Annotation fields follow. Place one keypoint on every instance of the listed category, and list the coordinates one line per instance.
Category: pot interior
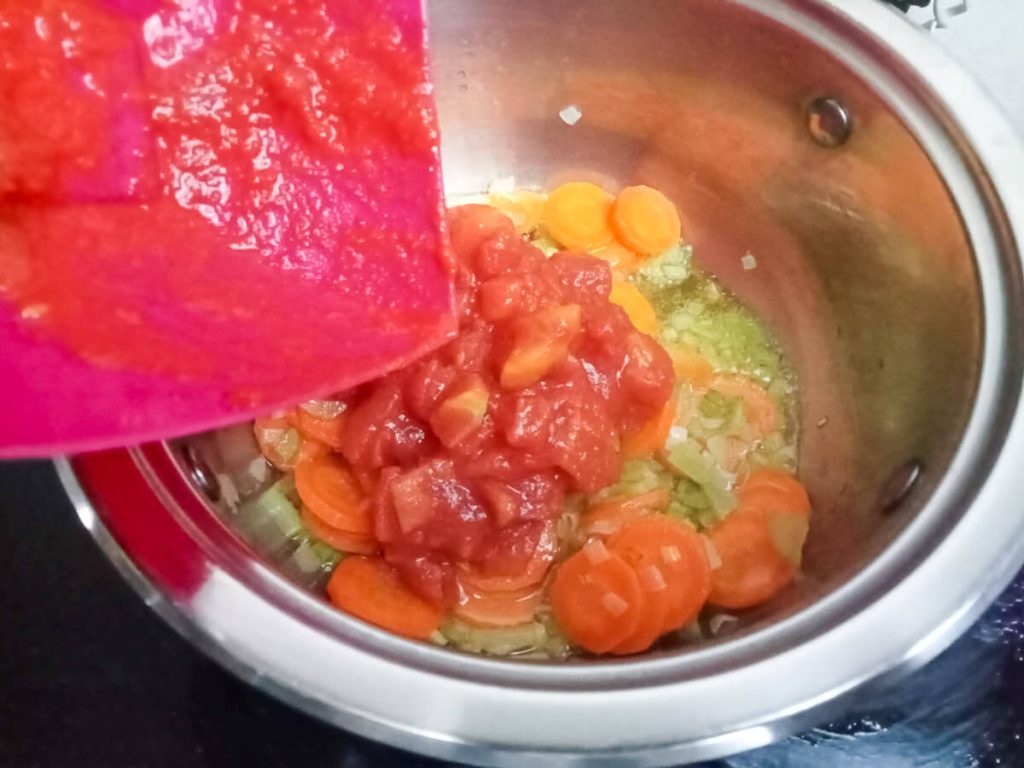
(864, 270)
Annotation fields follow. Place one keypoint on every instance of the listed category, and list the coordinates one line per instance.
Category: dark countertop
(89, 676)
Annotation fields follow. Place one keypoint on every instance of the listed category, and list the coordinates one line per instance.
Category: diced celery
(688, 459)
(546, 243)
(496, 641)
(722, 499)
(638, 477)
(310, 563)
(667, 269)
(270, 522)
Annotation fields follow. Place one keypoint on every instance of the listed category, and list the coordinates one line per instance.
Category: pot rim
(700, 704)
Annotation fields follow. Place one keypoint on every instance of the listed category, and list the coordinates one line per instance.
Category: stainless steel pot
(883, 198)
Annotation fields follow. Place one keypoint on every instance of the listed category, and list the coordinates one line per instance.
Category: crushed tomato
(476, 445)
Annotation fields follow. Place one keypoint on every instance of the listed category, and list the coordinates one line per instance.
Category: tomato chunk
(470, 452)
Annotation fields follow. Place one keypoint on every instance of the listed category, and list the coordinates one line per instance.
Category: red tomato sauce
(476, 445)
(235, 156)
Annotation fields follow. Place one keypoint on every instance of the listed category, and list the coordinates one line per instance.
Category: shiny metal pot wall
(883, 210)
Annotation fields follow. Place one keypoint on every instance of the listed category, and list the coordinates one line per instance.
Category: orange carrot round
(328, 431)
(330, 492)
(759, 407)
(278, 441)
(371, 590)
(651, 437)
(645, 221)
(608, 517)
(672, 552)
(752, 570)
(596, 600)
(637, 307)
(621, 259)
(760, 543)
(692, 368)
(343, 541)
(775, 491)
(577, 216)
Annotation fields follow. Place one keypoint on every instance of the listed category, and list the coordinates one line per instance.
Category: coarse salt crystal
(595, 551)
(604, 527)
(614, 604)
(720, 620)
(570, 115)
(651, 579)
(714, 559)
(671, 554)
(677, 436)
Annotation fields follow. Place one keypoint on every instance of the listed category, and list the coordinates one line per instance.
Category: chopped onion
(325, 409)
(749, 262)
(604, 527)
(595, 551)
(614, 604)
(274, 435)
(258, 469)
(671, 554)
(714, 559)
(720, 620)
(228, 490)
(651, 579)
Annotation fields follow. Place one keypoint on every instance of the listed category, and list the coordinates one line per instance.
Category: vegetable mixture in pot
(602, 456)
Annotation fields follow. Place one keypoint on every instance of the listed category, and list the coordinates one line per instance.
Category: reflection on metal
(200, 474)
(829, 122)
(899, 486)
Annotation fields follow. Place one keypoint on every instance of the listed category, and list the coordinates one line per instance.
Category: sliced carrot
(343, 541)
(597, 601)
(311, 449)
(774, 490)
(645, 220)
(577, 216)
(691, 367)
(637, 307)
(278, 441)
(676, 552)
(328, 431)
(536, 569)
(621, 259)
(608, 517)
(328, 488)
(752, 568)
(651, 437)
(542, 341)
(759, 407)
(500, 609)
(371, 590)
